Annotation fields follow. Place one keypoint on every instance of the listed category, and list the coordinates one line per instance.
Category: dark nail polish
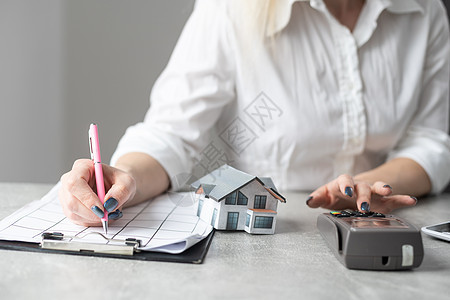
(387, 186)
(110, 204)
(365, 206)
(97, 211)
(115, 215)
(309, 199)
(349, 191)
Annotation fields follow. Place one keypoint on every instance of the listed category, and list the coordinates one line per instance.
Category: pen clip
(94, 147)
(90, 146)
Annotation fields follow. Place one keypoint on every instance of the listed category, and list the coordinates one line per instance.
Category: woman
(350, 96)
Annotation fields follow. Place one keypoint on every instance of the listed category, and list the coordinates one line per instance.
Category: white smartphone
(440, 231)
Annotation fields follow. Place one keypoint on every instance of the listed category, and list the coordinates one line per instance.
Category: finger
(122, 189)
(85, 169)
(79, 220)
(82, 222)
(363, 196)
(390, 203)
(346, 185)
(318, 198)
(332, 195)
(381, 188)
(76, 211)
(65, 199)
(115, 215)
(329, 196)
(76, 183)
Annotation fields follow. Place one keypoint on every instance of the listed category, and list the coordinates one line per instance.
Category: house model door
(232, 220)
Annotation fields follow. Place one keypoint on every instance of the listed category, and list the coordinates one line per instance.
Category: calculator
(371, 240)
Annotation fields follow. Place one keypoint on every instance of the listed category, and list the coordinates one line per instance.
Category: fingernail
(309, 199)
(387, 186)
(414, 198)
(365, 206)
(110, 204)
(349, 191)
(115, 215)
(97, 211)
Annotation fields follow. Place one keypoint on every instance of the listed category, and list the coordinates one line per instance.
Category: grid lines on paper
(166, 218)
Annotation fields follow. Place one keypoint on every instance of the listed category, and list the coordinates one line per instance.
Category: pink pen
(95, 156)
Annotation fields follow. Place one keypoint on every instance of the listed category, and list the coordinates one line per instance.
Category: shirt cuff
(167, 149)
(430, 148)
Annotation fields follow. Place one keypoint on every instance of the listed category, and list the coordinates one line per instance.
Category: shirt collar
(402, 6)
(283, 14)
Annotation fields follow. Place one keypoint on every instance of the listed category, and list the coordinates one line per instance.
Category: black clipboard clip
(61, 242)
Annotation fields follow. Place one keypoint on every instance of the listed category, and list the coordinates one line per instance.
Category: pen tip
(105, 226)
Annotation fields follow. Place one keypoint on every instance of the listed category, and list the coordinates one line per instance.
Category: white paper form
(167, 223)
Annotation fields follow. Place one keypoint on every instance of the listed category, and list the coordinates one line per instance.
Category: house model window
(230, 199)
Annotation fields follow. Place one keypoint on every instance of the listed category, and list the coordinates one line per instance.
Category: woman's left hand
(345, 192)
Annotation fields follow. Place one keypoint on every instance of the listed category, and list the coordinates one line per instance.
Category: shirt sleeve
(188, 97)
(426, 140)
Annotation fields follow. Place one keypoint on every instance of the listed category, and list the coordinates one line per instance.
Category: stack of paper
(167, 223)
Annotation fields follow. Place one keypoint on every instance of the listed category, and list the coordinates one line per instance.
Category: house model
(230, 199)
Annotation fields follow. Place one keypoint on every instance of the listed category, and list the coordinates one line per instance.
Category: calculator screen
(375, 223)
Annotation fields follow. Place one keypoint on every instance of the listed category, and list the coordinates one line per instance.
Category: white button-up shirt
(317, 101)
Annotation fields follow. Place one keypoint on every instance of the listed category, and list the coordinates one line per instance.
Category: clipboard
(162, 224)
(194, 255)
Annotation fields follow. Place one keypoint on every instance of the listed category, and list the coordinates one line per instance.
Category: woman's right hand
(79, 201)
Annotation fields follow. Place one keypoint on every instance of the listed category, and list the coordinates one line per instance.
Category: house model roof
(225, 180)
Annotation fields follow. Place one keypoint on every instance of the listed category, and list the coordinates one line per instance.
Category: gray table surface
(294, 263)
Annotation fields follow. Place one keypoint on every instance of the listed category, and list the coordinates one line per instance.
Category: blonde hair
(256, 18)
(254, 23)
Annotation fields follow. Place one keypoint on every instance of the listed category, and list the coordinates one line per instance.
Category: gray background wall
(65, 64)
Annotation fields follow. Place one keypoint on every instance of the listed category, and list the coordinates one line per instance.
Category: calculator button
(346, 213)
(378, 215)
(350, 212)
(340, 214)
(358, 214)
(362, 215)
(343, 216)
